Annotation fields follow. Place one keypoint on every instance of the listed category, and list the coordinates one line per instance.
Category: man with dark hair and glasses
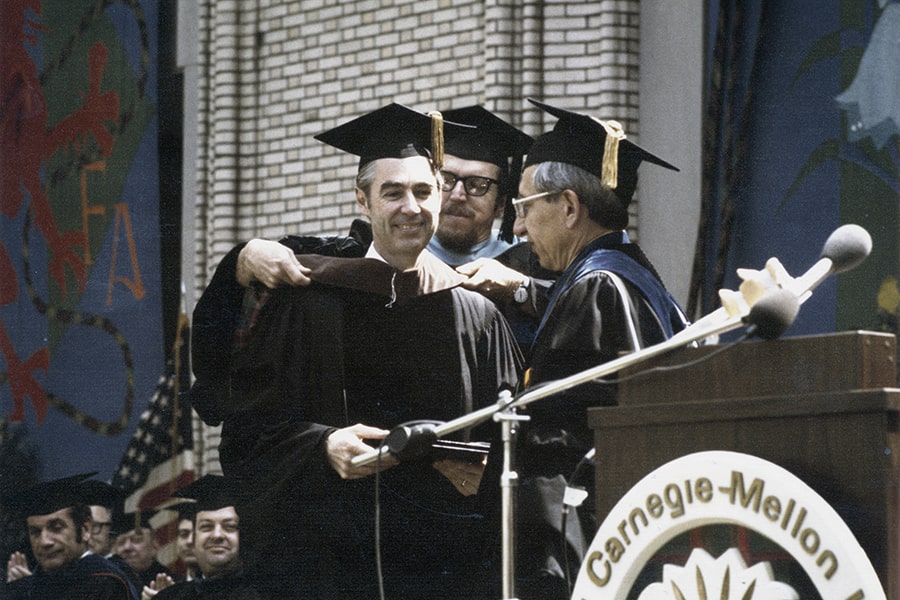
(103, 500)
(481, 172)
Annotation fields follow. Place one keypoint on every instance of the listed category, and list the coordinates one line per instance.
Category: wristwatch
(520, 296)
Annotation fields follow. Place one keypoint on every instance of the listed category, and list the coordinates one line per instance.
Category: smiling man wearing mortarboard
(59, 526)
(217, 531)
(319, 374)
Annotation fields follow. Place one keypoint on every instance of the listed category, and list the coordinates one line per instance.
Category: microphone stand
(509, 481)
(504, 411)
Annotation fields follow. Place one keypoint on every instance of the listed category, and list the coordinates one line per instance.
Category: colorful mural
(80, 315)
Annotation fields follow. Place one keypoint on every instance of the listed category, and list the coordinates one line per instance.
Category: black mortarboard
(49, 496)
(598, 147)
(393, 131)
(186, 509)
(211, 492)
(123, 522)
(494, 141)
(99, 493)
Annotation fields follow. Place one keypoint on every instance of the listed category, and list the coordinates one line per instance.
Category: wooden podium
(823, 407)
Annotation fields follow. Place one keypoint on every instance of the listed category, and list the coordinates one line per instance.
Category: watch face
(520, 295)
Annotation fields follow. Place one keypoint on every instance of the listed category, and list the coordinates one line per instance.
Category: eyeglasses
(98, 526)
(518, 203)
(474, 185)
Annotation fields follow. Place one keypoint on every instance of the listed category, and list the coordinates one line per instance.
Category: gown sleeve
(218, 312)
(214, 321)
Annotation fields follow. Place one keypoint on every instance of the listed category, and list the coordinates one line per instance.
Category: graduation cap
(599, 147)
(123, 522)
(392, 131)
(211, 492)
(99, 493)
(186, 509)
(494, 141)
(50, 496)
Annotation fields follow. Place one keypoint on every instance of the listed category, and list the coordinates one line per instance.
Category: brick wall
(277, 72)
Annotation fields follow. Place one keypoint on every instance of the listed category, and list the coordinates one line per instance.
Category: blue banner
(81, 344)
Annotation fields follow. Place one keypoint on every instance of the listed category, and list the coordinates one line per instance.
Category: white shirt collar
(373, 253)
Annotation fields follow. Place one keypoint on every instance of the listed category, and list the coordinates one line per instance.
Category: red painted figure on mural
(28, 141)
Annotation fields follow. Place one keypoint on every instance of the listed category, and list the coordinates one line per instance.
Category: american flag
(159, 459)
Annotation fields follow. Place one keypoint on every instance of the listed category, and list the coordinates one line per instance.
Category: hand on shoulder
(271, 264)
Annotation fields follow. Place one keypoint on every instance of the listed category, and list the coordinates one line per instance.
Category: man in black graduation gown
(217, 545)
(59, 527)
(136, 547)
(103, 499)
(321, 374)
(573, 206)
(481, 173)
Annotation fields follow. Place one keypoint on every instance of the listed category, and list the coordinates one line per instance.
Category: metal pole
(509, 480)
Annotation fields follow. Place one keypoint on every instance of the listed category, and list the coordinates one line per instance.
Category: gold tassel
(437, 139)
(610, 167)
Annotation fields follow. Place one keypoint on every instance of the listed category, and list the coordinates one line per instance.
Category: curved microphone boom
(845, 248)
(775, 312)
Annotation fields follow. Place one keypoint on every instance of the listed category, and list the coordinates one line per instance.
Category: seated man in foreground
(59, 529)
(217, 545)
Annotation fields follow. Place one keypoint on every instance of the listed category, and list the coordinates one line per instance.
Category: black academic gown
(312, 359)
(217, 313)
(231, 587)
(92, 577)
(584, 326)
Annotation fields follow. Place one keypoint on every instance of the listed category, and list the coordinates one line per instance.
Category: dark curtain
(733, 45)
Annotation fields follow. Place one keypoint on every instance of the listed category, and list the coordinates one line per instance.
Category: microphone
(845, 248)
(772, 314)
(411, 441)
